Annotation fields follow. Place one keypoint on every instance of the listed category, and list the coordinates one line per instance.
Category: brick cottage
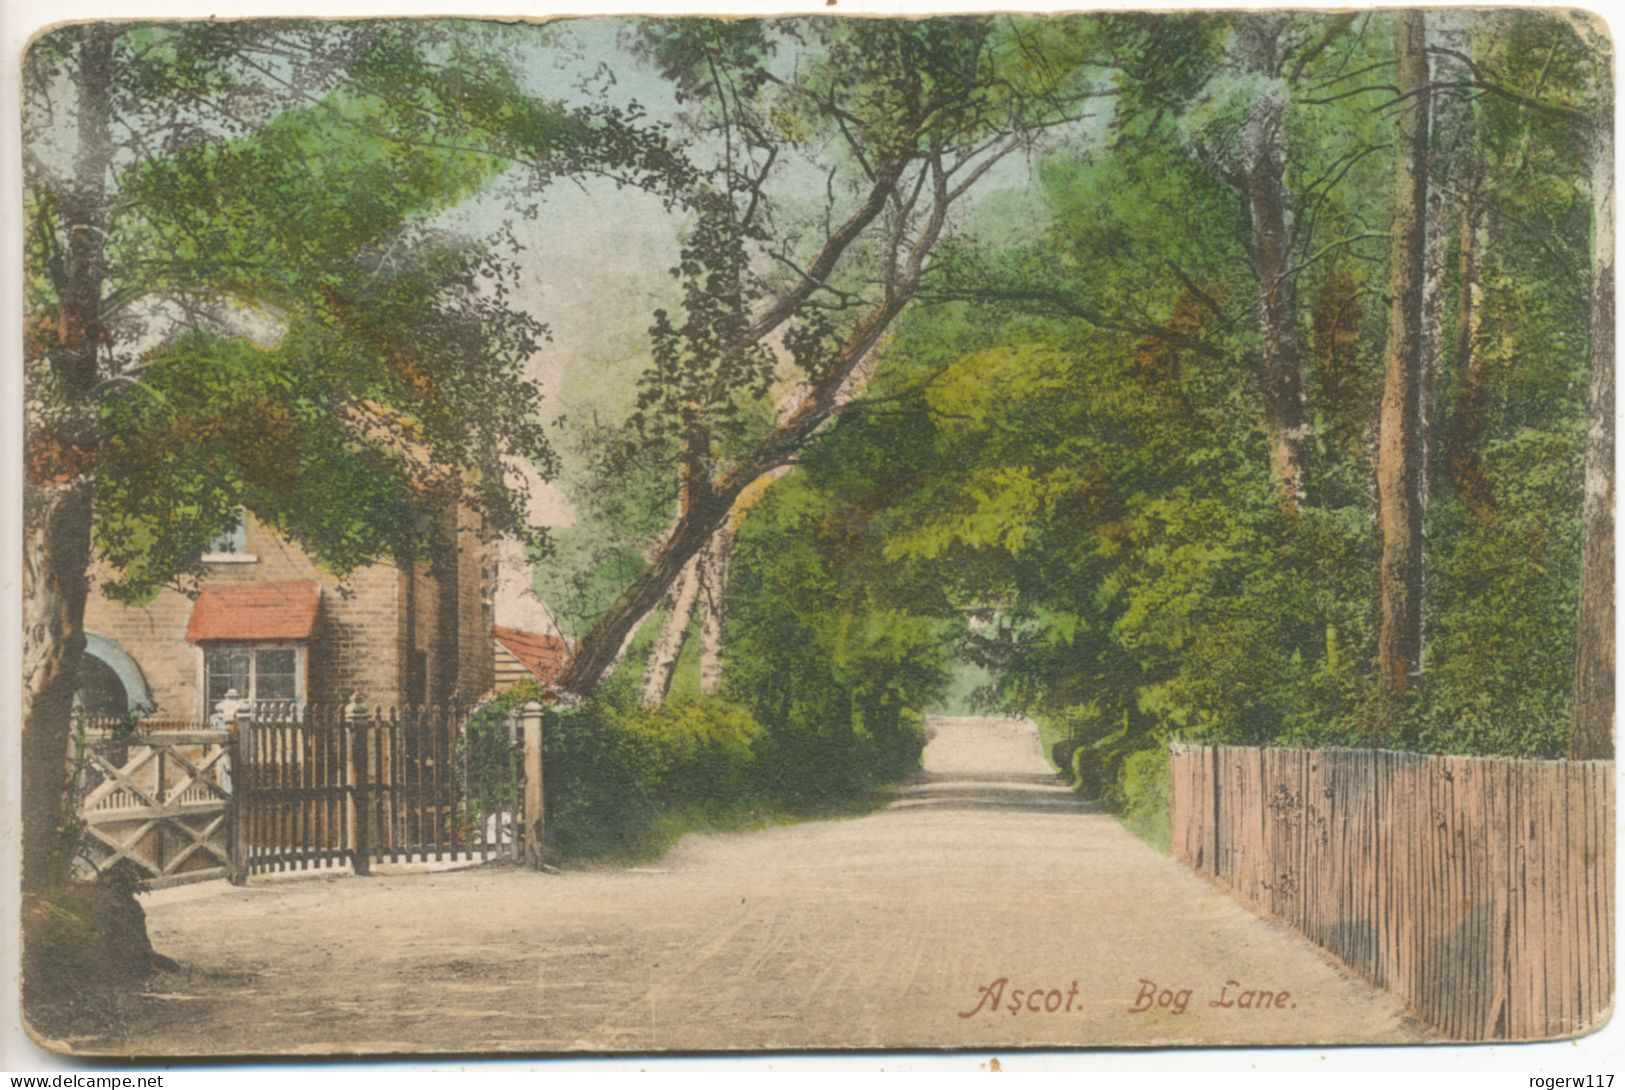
(271, 623)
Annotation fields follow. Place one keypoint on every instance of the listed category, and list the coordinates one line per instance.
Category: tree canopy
(1221, 376)
(239, 295)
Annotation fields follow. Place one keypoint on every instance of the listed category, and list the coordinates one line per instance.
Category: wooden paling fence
(286, 788)
(1478, 890)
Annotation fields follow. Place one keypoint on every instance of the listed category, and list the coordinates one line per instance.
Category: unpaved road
(885, 930)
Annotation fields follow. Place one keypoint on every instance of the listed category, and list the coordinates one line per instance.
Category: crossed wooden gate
(159, 802)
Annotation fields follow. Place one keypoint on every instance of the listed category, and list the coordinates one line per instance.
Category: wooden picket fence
(325, 787)
(1480, 891)
(293, 788)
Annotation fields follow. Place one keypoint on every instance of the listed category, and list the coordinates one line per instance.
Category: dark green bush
(622, 780)
(832, 660)
(600, 784)
(1146, 785)
(700, 748)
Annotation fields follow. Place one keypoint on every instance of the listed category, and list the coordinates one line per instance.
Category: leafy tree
(921, 111)
(830, 646)
(1591, 733)
(286, 169)
(1089, 470)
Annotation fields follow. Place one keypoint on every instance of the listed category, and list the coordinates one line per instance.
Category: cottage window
(258, 673)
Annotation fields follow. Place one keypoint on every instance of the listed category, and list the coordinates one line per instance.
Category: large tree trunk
(1264, 193)
(1591, 727)
(1399, 433)
(56, 555)
(59, 468)
(668, 646)
(596, 652)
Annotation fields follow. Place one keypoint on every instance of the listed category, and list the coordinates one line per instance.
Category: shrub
(1146, 786)
(617, 773)
(599, 785)
(811, 764)
(897, 745)
(700, 749)
(833, 660)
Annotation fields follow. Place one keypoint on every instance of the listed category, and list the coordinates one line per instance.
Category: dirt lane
(893, 929)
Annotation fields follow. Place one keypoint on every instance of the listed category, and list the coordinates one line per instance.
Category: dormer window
(231, 546)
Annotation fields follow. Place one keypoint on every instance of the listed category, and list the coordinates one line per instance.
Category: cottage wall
(367, 624)
(359, 646)
(476, 583)
(154, 634)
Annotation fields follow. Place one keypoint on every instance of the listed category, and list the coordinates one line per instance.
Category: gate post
(530, 720)
(355, 717)
(236, 746)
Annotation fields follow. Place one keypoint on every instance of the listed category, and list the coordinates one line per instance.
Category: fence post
(530, 720)
(355, 717)
(237, 746)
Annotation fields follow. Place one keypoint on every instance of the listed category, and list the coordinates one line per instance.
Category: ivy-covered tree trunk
(1472, 373)
(1591, 727)
(1433, 336)
(59, 466)
(1264, 193)
(1399, 432)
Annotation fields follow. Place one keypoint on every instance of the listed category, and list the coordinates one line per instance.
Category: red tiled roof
(255, 611)
(543, 656)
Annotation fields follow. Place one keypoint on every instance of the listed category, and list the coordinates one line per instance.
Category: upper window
(232, 545)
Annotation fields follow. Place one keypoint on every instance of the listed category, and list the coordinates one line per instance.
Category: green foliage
(1146, 787)
(701, 750)
(1067, 470)
(600, 784)
(1505, 605)
(315, 345)
(826, 643)
(624, 781)
(349, 430)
